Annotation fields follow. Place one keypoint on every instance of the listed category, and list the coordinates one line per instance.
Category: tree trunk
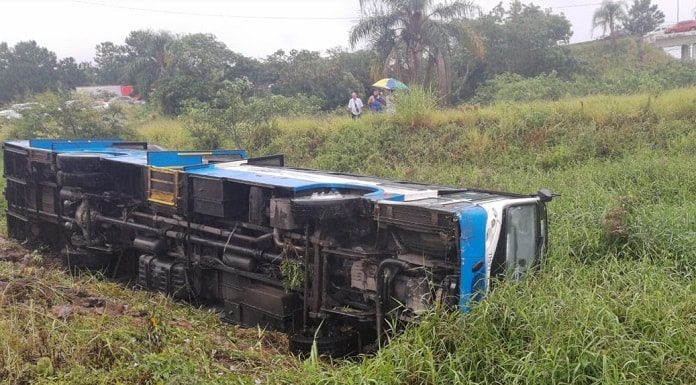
(444, 83)
(429, 71)
(416, 59)
(612, 35)
(639, 48)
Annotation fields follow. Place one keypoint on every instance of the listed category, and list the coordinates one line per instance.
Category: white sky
(252, 27)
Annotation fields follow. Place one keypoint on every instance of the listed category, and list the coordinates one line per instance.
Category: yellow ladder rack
(163, 185)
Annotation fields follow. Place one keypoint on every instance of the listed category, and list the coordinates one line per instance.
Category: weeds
(58, 329)
(614, 303)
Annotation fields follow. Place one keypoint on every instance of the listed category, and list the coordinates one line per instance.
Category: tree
(235, 115)
(146, 57)
(407, 32)
(195, 68)
(643, 17)
(361, 64)
(110, 63)
(26, 69)
(609, 16)
(308, 73)
(525, 39)
(520, 39)
(71, 74)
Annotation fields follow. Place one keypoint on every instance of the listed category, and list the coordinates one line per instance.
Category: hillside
(599, 68)
(614, 303)
(601, 56)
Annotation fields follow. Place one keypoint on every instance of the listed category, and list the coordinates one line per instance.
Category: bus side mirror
(545, 195)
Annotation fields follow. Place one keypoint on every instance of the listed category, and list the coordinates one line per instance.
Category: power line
(202, 14)
(576, 5)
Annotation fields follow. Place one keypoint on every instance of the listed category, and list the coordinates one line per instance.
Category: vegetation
(628, 67)
(59, 329)
(643, 17)
(237, 115)
(613, 303)
(407, 33)
(609, 17)
(55, 115)
(450, 47)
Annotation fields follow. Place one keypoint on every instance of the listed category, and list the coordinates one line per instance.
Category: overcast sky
(252, 27)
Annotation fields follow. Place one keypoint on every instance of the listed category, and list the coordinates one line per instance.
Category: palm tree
(407, 32)
(147, 58)
(609, 16)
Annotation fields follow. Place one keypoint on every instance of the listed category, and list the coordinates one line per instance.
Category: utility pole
(677, 11)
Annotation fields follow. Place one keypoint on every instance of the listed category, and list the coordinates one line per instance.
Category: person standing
(355, 106)
(373, 102)
(381, 100)
(389, 102)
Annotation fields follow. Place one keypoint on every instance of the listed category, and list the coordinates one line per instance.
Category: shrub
(55, 116)
(247, 120)
(514, 87)
(414, 107)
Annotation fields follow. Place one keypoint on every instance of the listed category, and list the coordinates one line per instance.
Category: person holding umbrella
(355, 106)
(375, 101)
(390, 85)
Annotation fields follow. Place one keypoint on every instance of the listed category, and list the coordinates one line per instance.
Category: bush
(514, 87)
(247, 120)
(414, 107)
(57, 116)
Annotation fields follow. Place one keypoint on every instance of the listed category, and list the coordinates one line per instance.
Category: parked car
(99, 105)
(10, 114)
(619, 33)
(24, 106)
(122, 99)
(94, 105)
(126, 100)
(659, 30)
(682, 26)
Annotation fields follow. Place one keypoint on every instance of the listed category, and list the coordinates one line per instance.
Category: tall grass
(615, 300)
(58, 329)
(414, 107)
(166, 132)
(619, 322)
(614, 303)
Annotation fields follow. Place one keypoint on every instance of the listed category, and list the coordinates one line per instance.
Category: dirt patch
(28, 282)
(95, 306)
(17, 290)
(10, 251)
(35, 279)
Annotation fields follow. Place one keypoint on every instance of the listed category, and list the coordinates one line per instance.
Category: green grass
(615, 302)
(166, 132)
(52, 335)
(602, 57)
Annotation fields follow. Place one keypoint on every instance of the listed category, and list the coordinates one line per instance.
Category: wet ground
(63, 307)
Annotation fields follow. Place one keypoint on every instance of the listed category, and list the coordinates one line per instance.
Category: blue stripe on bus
(472, 254)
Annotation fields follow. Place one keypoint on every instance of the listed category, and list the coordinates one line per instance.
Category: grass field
(615, 302)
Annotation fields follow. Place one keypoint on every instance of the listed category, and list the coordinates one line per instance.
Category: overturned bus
(328, 258)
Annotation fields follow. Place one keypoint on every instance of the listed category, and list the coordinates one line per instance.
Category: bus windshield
(522, 238)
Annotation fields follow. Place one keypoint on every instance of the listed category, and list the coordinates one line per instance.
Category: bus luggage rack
(163, 186)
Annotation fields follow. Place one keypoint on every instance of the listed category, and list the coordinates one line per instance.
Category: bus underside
(328, 262)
